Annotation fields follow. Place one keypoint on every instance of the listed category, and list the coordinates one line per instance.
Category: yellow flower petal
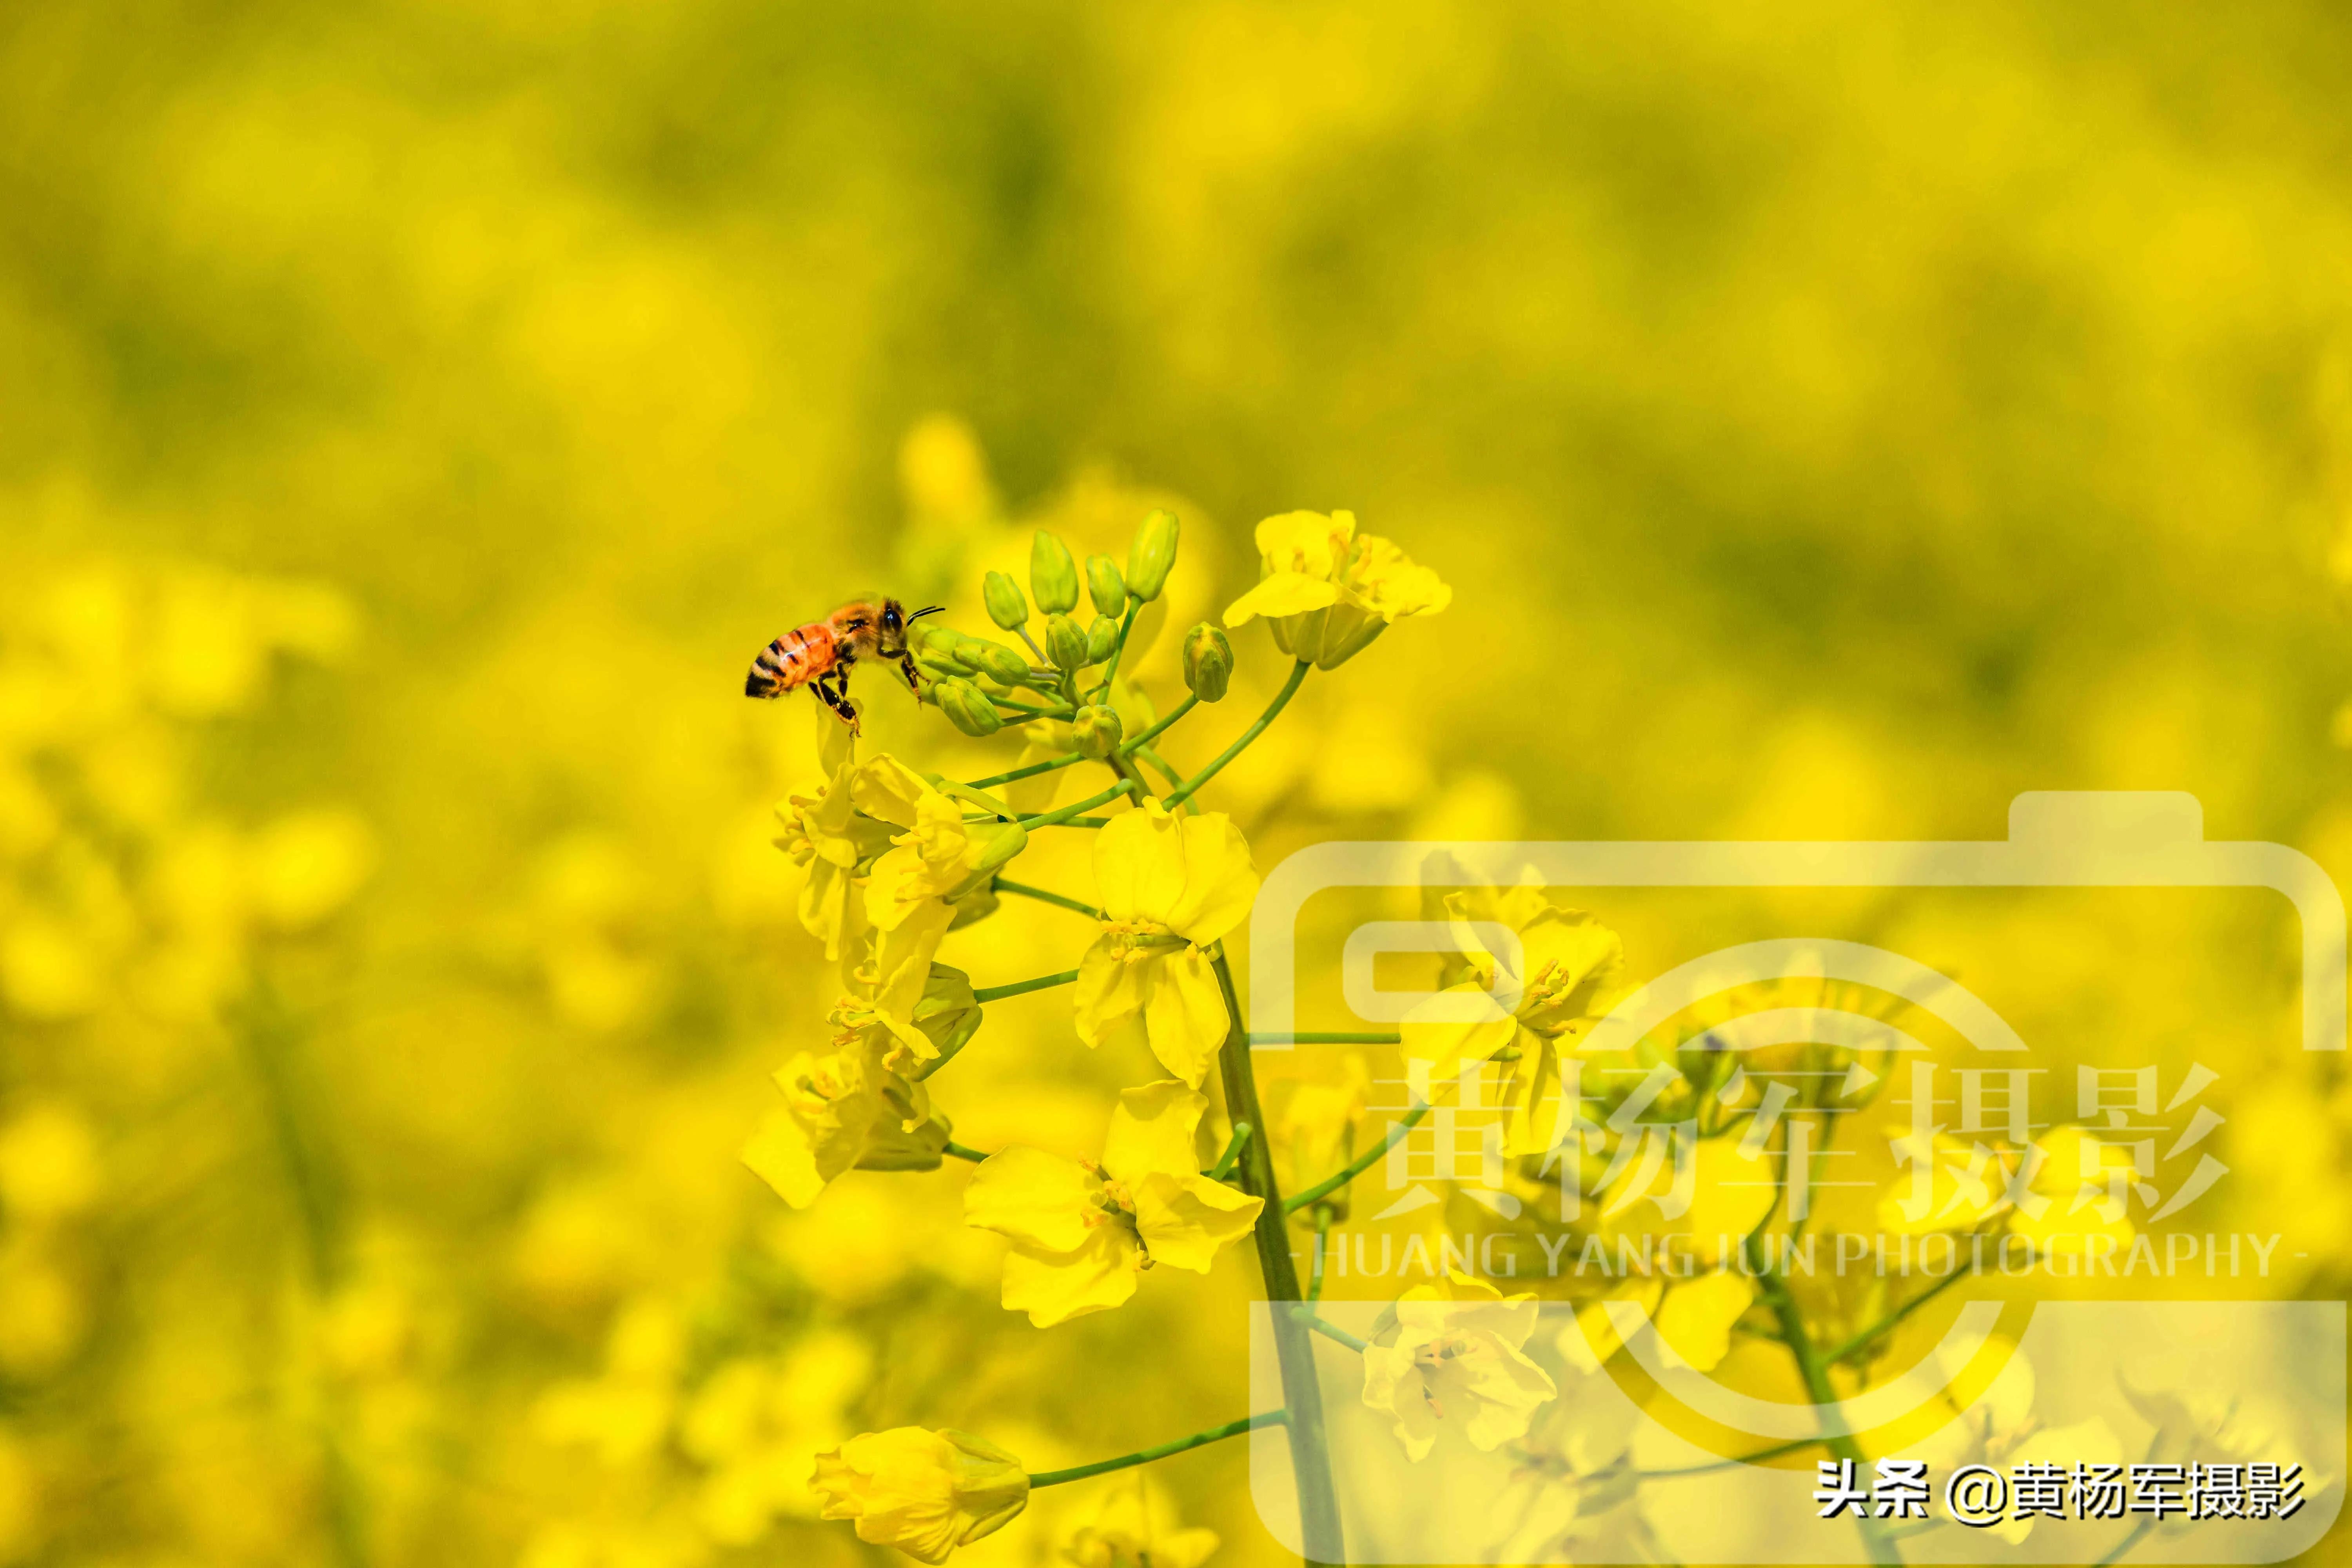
(924, 1492)
(1304, 541)
(1040, 1199)
(1055, 1287)
(1219, 882)
(1283, 593)
(1184, 1220)
(886, 787)
(1695, 1322)
(1184, 1011)
(1449, 1044)
(1139, 863)
(1153, 1132)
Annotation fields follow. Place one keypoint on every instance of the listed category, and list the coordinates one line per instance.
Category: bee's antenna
(927, 610)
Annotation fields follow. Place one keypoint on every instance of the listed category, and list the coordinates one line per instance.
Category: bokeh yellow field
(1831, 420)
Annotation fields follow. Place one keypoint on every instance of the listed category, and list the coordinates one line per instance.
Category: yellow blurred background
(1832, 420)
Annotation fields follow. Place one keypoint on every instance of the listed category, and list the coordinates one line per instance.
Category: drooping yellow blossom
(1695, 1220)
(937, 855)
(1449, 1354)
(1567, 961)
(1082, 1231)
(828, 834)
(842, 1112)
(922, 1491)
(1328, 591)
(1576, 1496)
(861, 1103)
(1137, 1528)
(1170, 885)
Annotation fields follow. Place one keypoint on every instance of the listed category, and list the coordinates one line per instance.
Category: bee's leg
(914, 683)
(829, 689)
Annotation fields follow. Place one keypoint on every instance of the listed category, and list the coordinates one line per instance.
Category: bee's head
(895, 621)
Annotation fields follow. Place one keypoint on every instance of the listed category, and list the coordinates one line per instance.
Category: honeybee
(819, 655)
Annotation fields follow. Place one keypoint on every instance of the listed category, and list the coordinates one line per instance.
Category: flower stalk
(1310, 1458)
(1022, 988)
(1814, 1370)
(1046, 896)
(1273, 710)
(1161, 1451)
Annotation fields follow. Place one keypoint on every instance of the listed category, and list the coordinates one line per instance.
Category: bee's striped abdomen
(797, 658)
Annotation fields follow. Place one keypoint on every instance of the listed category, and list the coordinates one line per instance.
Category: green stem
(1152, 734)
(1333, 1331)
(1021, 987)
(1358, 1166)
(1813, 1159)
(1757, 1457)
(1310, 1461)
(1076, 808)
(1066, 759)
(1023, 889)
(1894, 1317)
(1026, 709)
(1322, 1240)
(1816, 1376)
(1225, 1165)
(1168, 773)
(958, 1151)
(1145, 1455)
(1323, 1037)
(1281, 701)
(1118, 648)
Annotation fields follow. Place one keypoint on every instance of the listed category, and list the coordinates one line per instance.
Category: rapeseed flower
(1327, 591)
(936, 855)
(1567, 961)
(925, 1492)
(1449, 1353)
(860, 1104)
(1082, 1231)
(1170, 886)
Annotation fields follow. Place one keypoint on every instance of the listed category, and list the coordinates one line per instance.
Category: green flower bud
(1208, 662)
(995, 844)
(1098, 731)
(945, 1012)
(1101, 639)
(1007, 605)
(1053, 575)
(966, 707)
(1151, 555)
(1106, 586)
(941, 649)
(993, 659)
(1065, 644)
